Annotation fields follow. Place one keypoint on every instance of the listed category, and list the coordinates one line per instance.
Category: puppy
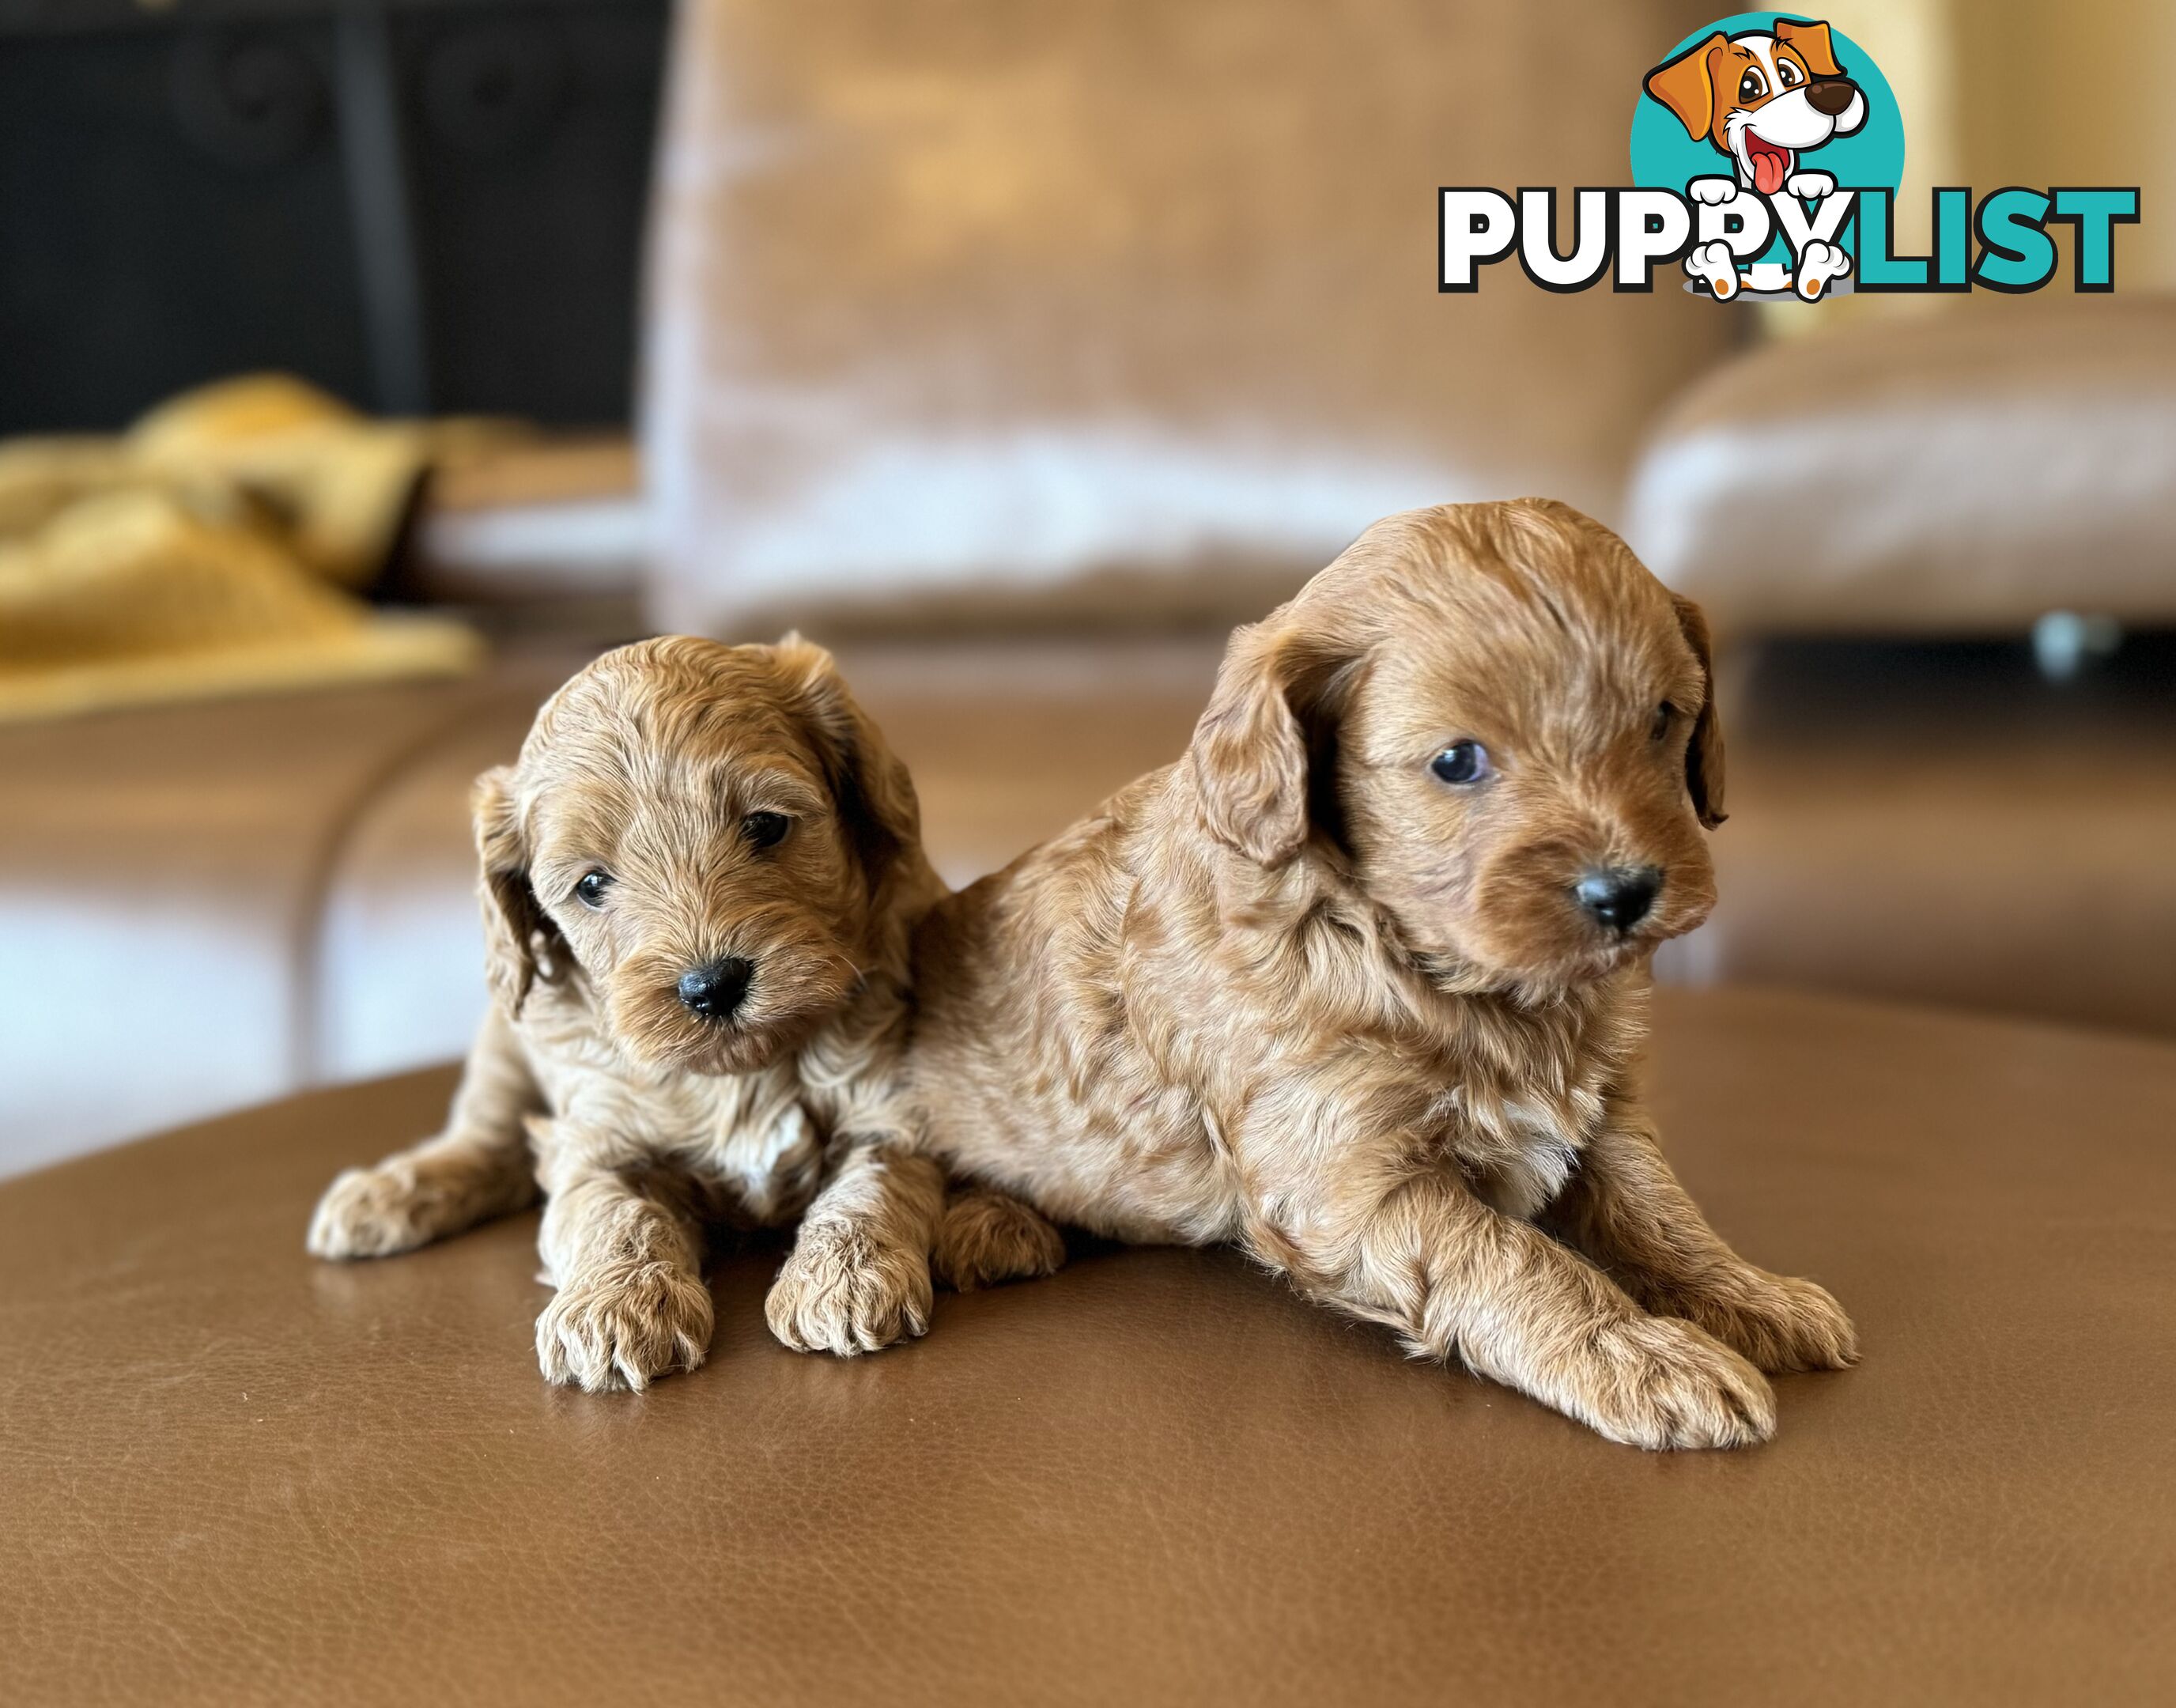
(699, 883)
(1764, 101)
(1360, 983)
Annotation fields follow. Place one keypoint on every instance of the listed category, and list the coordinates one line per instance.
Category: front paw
(842, 1291)
(1658, 1383)
(624, 1328)
(371, 1212)
(1715, 263)
(986, 1237)
(1712, 192)
(1780, 1322)
(1817, 264)
(1810, 187)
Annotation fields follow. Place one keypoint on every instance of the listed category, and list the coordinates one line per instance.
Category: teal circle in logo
(1664, 157)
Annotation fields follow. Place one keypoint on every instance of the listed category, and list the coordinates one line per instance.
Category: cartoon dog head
(1761, 98)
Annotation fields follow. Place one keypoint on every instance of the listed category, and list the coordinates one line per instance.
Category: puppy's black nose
(1830, 95)
(715, 991)
(1620, 896)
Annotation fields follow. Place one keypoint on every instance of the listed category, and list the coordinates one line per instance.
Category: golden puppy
(698, 883)
(1360, 982)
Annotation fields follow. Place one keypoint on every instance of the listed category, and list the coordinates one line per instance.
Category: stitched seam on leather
(307, 1043)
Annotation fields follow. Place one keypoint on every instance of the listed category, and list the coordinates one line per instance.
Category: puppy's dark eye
(591, 889)
(1665, 715)
(1461, 762)
(1752, 86)
(765, 830)
(1787, 75)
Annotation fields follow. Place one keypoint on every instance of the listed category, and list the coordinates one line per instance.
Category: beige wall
(2074, 93)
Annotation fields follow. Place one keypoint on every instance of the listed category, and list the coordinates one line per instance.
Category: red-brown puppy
(699, 883)
(1359, 984)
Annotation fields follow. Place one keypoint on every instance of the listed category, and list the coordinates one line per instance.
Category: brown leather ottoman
(233, 1476)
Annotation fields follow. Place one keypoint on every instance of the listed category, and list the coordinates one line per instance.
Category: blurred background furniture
(1941, 823)
(1112, 311)
(1019, 352)
(236, 1476)
(420, 205)
(1960, 473)
(1875, 518)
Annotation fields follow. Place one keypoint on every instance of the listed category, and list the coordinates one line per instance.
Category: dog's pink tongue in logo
(1770, 164)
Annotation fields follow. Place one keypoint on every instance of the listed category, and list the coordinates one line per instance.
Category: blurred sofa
(1117, 310)
(1025, 466)
(1876, 517)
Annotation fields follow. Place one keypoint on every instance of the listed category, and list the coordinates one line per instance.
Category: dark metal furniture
(421, 205)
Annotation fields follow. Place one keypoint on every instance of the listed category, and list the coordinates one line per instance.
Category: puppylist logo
(1766, 153)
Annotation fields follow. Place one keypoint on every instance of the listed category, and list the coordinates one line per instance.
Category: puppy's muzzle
(1831, 95)
(714, 991)
(1618, 897)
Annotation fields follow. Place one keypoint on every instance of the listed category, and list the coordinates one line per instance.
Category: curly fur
(640, 1119)
(1295, 993)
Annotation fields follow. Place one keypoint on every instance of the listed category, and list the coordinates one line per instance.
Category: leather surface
(162, 880)
(1115, 308)
(1010, 743)
(234, 1475)
(1961, 474)
(524, 521)
(397, 980)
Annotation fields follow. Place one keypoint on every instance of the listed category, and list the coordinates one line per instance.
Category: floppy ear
(1686, 86)
(1250, 752)
(1704, 754)
(513, 922)
(1813, 44)
(874, 792)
